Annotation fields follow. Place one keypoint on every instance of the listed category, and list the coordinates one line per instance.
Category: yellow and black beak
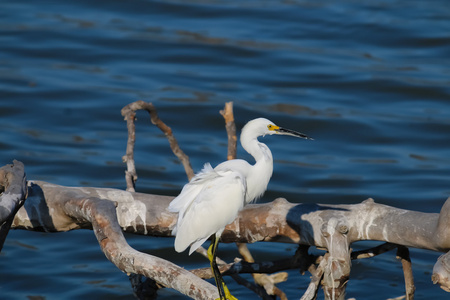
(284, 131)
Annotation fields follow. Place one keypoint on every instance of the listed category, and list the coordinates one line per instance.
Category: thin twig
(13, 192)
(129, 113)
(230, 126)
(128, 158)
(258, 290)
(206, 273)
(317, 274)
(380, 249)
(267, 281)
(403, 254)
(242, 267)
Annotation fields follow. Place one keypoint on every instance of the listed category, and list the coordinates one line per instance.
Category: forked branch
(129, 113)
(109, 212)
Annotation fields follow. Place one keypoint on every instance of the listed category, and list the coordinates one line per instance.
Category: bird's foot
(228, 295)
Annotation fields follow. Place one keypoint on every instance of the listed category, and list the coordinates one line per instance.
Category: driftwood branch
(145, 287)
(368, 253)
(277, 221)
(110, 212)
(441, 271)
(13, 193)
(317, 275)
(129, 114)
(403, 255)
(230, 127)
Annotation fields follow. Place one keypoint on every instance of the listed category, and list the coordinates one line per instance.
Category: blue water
(369, 80)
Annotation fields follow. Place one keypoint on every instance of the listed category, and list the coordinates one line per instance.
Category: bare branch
(102, 215)
(13, 188)
(253, 287)
(129, 113)
(265, 280)
(403, 255)
(230, 126)
(317, 275)
(128, 158)
(206, 273)
(298, 261)
(277, 221)
(441, 272)
(109, 212)
(146, 288)
(373, 251)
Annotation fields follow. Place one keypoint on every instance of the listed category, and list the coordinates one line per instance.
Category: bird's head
(262, 126)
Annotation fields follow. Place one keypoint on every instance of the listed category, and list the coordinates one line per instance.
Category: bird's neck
(261, 170)
(258, 150)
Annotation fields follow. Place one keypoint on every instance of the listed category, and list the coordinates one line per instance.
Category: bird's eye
(272, 127)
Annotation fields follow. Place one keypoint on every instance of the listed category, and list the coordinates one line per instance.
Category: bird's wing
(192, 189)
(221, 197)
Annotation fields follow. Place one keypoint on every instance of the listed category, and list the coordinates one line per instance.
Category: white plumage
(201, 208)
(214, 197)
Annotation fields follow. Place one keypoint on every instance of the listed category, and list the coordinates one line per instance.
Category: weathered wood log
(54, 208)
(332, 227)
(441, 272)
(277, 221)
(13, 193)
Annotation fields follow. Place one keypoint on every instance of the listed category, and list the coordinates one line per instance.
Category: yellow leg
(227, 292)
(216, 273)
(224, 292)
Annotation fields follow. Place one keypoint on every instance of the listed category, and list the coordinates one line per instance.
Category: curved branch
(317, 275)
(367, 253)
(72, 208)
(403, 255)
(441, 272)
(102, 215)
(13, 188)
(333, 227)
(129, 113)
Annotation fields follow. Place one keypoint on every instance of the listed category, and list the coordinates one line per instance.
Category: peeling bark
(277, 221)
(110, 212)
(13, 193)
(55, 208)
(52, 208)
(441, 272)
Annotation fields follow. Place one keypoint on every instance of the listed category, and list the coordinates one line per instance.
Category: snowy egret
(214, 197)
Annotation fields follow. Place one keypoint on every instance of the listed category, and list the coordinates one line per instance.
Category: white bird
(214, 197)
